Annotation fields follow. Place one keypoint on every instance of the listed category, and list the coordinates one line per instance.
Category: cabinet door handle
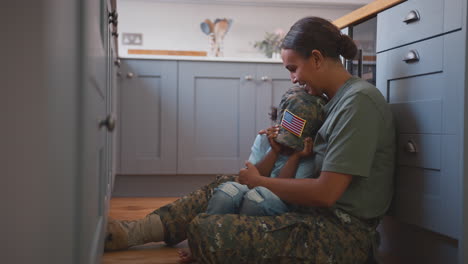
(264, 78)
(412, 16)
(248, 77)
(109, 123)
(117, 62)
(410, 147)
(113, 16)
(130, 75)
(412, 56)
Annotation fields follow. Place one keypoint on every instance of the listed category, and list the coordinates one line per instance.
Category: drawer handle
(410, 147)
(248, 77)
(412, 16)
(412, 56)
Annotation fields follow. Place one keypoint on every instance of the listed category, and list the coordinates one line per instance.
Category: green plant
(271, 43)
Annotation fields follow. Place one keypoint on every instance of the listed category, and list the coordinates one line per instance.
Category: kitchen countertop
(365, 12)
(201, 58)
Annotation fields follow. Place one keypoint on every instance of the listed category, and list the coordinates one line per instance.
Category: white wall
(176, 26)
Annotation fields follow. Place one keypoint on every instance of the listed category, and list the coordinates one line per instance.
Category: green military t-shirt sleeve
(353, 139)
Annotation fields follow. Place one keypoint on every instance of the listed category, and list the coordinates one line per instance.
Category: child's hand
(249, 175)
(271, 133)
(308, 148)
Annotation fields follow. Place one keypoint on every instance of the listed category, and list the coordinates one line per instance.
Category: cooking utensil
(221, 28)
(205, 28)
(210, 24)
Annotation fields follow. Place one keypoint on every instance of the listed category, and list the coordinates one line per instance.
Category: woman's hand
(308, 148)
(271, 133)
(249, 175)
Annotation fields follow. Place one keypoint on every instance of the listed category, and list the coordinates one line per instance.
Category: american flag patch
(293, 123)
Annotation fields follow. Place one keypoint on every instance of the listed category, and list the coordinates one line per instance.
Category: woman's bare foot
(185, 256)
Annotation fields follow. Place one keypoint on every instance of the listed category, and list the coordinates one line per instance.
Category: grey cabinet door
(93, 181)
(216, 116)
(148, 117)
(427, 109)
(272, 82)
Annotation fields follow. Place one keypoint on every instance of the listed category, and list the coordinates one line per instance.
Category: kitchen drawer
(418, 180)
(398, 32)
(435, 17)
(418, 116)
(426, 82)
(421, 151)
(428, 197)
(428, 58)
(418, 199)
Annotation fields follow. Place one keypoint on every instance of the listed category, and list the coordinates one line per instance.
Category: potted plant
(271, 44)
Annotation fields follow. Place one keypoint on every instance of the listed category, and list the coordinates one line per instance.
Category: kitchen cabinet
(113, 66)
(422, 72)
(148, 117)
(202, 117)
(221, 108)
(96, 129)
(57, 126)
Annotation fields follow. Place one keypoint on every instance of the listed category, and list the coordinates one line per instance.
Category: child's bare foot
(185, 256)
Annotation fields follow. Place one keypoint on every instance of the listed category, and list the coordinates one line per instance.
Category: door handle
(410, 147)
(411, 56)
(412, 16)
(109, 123)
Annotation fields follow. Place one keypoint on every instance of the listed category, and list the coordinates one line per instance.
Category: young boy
(284, 154)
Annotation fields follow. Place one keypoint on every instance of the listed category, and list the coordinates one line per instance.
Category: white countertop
(198, 58)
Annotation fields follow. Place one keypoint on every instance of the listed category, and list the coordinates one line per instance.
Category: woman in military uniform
(337, 212)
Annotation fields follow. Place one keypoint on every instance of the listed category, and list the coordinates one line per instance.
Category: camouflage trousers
(317, 236)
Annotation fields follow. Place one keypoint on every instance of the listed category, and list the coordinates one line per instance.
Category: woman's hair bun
(347, 48)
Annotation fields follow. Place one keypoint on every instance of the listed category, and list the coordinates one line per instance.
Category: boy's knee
(232, 189)
(260, 194)
(226, 198)
(261, 201)
(255, 195)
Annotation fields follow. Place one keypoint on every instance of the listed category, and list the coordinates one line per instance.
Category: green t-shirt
(358, 138)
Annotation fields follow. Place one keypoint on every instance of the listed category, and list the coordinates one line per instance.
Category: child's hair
(311, 33)
(300, 107)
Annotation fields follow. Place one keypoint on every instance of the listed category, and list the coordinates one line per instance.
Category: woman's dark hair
(311, 33)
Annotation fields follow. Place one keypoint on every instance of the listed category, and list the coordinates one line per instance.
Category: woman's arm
(323, 191)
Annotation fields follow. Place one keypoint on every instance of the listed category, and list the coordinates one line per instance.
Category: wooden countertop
(365, 12)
